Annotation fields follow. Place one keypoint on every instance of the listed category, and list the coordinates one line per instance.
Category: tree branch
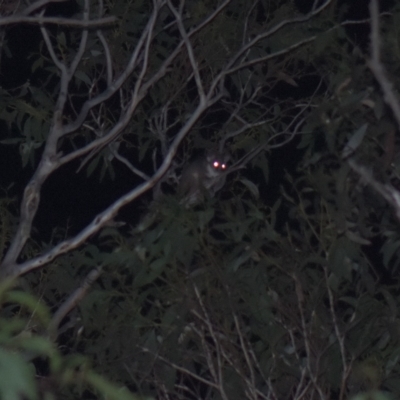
(376, 65)
(41, 20)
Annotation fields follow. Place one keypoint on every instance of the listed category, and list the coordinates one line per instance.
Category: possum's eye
(219, 164)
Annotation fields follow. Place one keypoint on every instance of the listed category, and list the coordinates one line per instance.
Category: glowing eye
(223, 166)
(216, 164)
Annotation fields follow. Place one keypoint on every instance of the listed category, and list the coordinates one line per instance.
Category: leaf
(372, 396)
(37, 64)
(357, 238)
(158, 265)
(95, 53)
(27, 128)
(31, 303)
(92, 166)
(354, 141)
(390, 301)
(37, 345)
(111, 391)
(286, 78)
(83, 77)
(240, 260)
(17, 377)
(41, 98)
(24, 108)
(205, 217)
(11, 141)
(251, 186)
(388, 250)
(262, 162)
(341, 257)
(61, 39)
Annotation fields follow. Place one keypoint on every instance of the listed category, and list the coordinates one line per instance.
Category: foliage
(283, 286)
(23, 344)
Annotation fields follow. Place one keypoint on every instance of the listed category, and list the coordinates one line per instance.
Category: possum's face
(216, 163)
(204, 176)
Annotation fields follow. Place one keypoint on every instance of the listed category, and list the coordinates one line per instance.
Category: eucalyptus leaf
(17, 378)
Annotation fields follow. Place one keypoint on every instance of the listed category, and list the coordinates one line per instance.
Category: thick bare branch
(189, 49)
(376, 65)
(387, 191)
(41, 20)
(72, 301)
(51, 160)
(12, 269)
